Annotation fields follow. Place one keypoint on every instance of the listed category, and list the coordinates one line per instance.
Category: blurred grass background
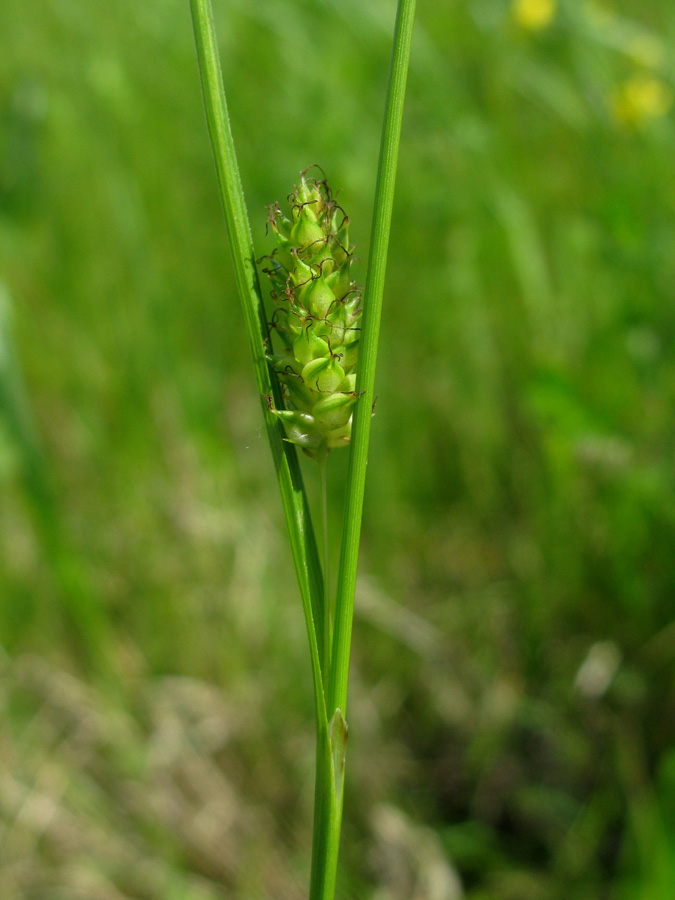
(513, 696)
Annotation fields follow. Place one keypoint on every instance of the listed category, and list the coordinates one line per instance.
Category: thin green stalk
(294, 499)
(365, 383)
(326, 835)
(327, 612)
(329, 780)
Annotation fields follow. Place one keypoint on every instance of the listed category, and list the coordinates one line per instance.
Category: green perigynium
(316, 317)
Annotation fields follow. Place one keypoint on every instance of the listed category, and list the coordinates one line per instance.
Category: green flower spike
(316, 317)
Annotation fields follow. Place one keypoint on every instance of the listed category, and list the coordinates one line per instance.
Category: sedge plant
(315, 364)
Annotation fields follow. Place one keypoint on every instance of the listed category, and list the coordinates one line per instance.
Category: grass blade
(372, 309)
(294, 499)
(328, 809)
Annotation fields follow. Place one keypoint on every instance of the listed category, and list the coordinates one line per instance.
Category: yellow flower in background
(534, 15)
(640, 99)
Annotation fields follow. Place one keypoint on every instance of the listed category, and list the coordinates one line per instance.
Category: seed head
(316, 317)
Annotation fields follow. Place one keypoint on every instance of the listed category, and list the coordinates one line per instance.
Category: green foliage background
(513, 694)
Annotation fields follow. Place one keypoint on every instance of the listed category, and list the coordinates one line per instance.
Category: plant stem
(326, 831)
(327, 611)
(365, 381)
(291, 485)
(326, 836)
(329, 793)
